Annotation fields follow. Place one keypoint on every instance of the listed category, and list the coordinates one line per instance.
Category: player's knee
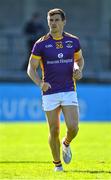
(73, 129)
(54, 131)
(76, 129)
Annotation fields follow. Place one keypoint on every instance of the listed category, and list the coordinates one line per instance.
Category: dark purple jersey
(57, 60)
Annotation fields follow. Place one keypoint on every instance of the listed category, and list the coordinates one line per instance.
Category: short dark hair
(57, 11)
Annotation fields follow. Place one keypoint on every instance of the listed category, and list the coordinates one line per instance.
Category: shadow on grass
(49, 162)
(28, 162)
(89, 171)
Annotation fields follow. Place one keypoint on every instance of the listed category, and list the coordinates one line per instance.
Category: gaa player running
(60, 56)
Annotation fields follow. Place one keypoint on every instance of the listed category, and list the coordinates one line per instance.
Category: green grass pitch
(25, 153)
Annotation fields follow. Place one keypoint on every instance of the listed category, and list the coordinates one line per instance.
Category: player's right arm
(33, 73)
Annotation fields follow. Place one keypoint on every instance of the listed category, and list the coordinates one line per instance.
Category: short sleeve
(77, 45)
(78, 51)
(36, 50)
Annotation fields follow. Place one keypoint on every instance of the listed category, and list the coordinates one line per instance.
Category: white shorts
(52, 101)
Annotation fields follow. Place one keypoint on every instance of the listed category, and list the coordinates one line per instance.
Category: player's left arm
(79, 60)
(78, 65)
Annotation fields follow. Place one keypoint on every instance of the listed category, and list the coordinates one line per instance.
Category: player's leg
(54, 129)
(71, 115)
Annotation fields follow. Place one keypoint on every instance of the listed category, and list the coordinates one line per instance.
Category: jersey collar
(57, 38)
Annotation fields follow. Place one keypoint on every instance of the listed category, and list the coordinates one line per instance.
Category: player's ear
(64, 22)
(48, 20)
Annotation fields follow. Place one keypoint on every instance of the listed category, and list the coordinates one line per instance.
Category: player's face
(55, 23)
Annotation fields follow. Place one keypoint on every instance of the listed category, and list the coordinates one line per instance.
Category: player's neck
(57, 35)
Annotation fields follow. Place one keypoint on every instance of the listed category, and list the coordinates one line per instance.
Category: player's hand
(77, 74)
(45, 86)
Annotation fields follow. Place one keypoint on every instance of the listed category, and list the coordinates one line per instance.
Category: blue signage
(22, 102)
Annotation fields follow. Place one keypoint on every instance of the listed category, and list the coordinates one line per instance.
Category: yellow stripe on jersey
(70, 35)
(42, 68)
(35, 57)
(74, 85)
(77, 55)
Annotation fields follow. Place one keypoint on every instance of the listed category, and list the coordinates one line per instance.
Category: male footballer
(60, 56)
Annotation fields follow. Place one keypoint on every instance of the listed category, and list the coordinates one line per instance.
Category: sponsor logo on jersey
(48, 45)
(60, 55)
(60, 61)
